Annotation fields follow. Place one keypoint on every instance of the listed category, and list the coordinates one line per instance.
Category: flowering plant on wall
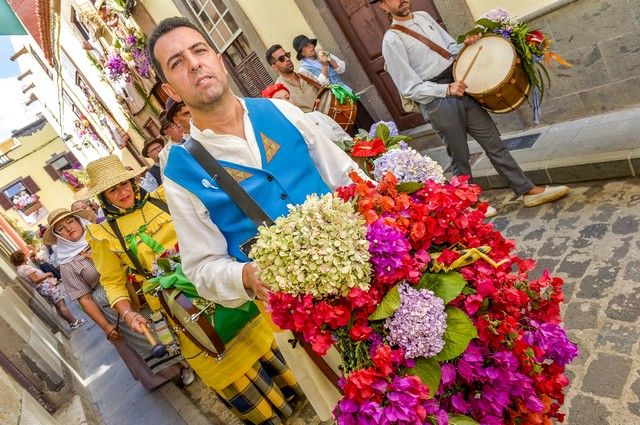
(85, 132)
(23, 200)
(136, 45)
(117, 68)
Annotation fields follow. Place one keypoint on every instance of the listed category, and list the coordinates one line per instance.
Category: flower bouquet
(532, 46)
(433, 314)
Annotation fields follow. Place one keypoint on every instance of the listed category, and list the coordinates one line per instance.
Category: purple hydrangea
(418, 325)
(408, 165)
(498, 15)
(554, 341)
(393, 129)
(387, 246)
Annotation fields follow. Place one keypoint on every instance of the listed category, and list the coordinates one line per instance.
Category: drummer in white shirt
(424, 75)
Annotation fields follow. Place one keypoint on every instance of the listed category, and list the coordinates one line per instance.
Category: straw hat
(104, 173)
(49, 238)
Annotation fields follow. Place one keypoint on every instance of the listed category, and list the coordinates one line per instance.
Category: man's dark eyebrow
(193, 46)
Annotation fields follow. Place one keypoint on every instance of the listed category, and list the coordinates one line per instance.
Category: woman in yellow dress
(251, 376)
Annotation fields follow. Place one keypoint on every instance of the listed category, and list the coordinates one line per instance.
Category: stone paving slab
(591, 240)
(119, 399)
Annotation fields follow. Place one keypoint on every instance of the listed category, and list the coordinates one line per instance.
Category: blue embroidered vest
(287, 176)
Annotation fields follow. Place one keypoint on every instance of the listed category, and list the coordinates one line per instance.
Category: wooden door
(364, 26)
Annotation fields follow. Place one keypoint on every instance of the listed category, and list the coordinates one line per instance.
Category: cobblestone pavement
(591, 240)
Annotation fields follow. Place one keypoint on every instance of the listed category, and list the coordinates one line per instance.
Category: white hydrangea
(320, 248)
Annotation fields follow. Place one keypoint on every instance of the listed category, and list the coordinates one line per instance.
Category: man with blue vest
(268, 146)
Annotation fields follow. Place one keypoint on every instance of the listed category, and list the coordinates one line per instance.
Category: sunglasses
(282, 58)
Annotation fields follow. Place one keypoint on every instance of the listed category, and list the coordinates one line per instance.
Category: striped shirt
(79, 276)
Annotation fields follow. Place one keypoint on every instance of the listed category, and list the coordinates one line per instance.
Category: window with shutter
(72, 160)
(30, 185)
(253, 74)
(53, 173)
(5, 202)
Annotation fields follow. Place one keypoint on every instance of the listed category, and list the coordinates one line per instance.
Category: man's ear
(220, 59)
(171, 92)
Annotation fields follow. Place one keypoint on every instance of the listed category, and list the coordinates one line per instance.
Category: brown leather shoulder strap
(433, 46)
(202, 322)
(311, 81)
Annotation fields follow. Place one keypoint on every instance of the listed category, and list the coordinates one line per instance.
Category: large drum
(344, 115)
(496, 78)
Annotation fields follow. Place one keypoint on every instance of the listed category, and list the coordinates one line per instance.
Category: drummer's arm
(408, 82)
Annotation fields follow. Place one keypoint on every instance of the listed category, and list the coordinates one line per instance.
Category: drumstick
(473, 61)
(158, 350)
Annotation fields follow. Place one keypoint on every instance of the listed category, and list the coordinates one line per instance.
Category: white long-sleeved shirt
(205, 258)
(412, 64)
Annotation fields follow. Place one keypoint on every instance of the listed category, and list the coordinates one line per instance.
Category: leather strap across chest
(430, 44)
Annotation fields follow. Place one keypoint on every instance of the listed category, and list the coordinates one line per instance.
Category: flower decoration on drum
(446, 328)
(534, 49)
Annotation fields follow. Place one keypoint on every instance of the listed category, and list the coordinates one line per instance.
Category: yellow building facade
(279, 23)
(31, 165)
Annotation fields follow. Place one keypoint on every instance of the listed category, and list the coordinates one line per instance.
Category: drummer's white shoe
(491, 212)
(549, 194)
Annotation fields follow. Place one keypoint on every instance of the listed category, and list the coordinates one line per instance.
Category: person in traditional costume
(251, 376)
(81, 280)
(270, 148)
(419, 56)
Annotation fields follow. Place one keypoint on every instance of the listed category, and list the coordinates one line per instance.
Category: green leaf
(390, 303)
(488, 24)
(429, 372)
(445, 285)
(409, 187)
(461, 420)
(395, 140)
(164, 264)
(383, 132)
(460, 331)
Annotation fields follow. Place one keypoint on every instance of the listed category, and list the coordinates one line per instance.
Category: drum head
(492, 66)
(192, 327)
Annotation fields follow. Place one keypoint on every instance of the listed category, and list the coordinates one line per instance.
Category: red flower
(368, 148)
(360, 332)
(535, 37)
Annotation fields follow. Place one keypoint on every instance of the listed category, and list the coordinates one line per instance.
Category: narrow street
(591, 240)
